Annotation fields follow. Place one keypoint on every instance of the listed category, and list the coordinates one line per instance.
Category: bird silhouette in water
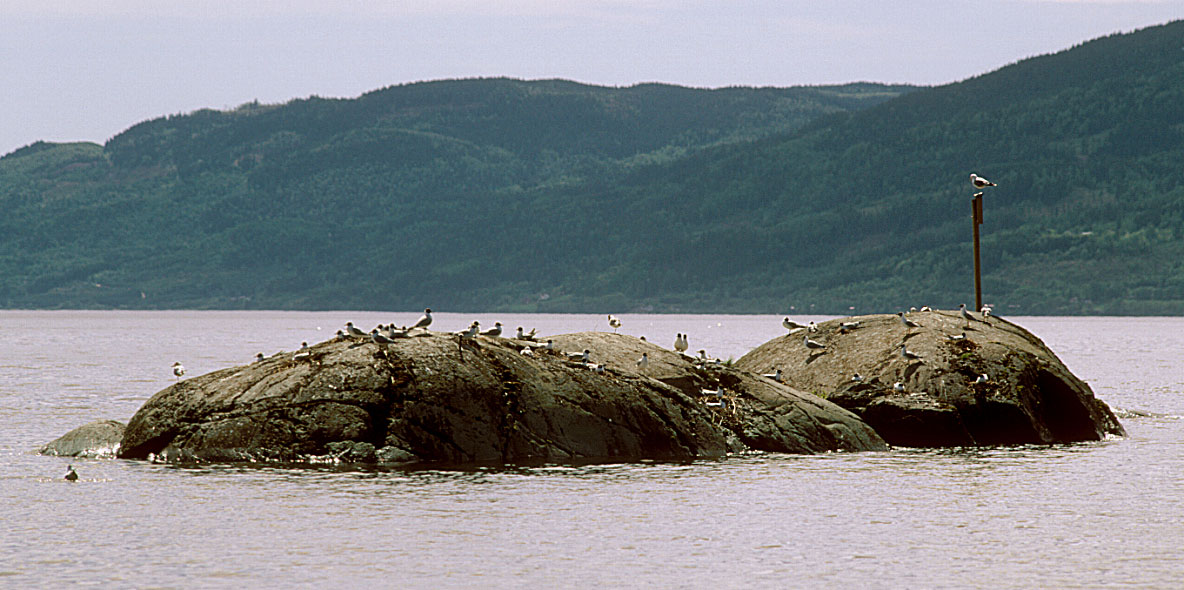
(71, 475)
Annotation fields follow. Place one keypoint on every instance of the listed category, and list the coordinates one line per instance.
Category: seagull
(354, 331)
(495, 331)
(178, 370)
(811, 343)
(379, 337)
(474, 328)
(791, 325)
(259, 357)
(776, 376)
(904, 352)
(898, 387)
(71, 475)
(526, 351)
(913, 309)
(812, 328)
(340, 335)
(926, 308)
(644, 361)
(857, 378)
(550, 345)
(956, 337)
(848, 326)
(907, 322)
(521, 336)
(425, 320)
(986, 311)
(599, 369)
(582, 357)
(681, 344)
(965, 313)
(980, 182)
(981, 379)
(613, 322)
(717, 392)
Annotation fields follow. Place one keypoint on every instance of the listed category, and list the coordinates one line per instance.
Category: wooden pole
(977, 214)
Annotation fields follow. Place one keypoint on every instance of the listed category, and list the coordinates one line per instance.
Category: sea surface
(1107, 514)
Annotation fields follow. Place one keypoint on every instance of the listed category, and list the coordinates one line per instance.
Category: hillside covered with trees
(556, 196)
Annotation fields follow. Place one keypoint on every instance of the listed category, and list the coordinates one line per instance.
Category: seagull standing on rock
(980, 182)
(811, 344)
(178, 370)
(776, 376)
(495, 331)
(965, 313)
(791, 325)
(907, 322)
(904, 352)
(353, 330)
(425, 320)
(613, 322)
(644, 361)
(681, 343)
(580, 357)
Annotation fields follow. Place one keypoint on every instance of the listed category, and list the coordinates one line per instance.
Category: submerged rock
(439, 398)
(100, 438)
(1026, 396)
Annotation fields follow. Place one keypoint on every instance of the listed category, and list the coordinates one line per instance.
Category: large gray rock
(432, 398)
(763, 414)
(1029, 397)
(100, 438)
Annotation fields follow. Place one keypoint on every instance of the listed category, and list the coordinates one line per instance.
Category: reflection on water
(1102, 514)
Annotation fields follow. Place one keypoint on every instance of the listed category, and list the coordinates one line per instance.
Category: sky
(85, 70)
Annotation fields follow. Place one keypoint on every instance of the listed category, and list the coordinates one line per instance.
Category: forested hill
(554, 196)
(382, 201)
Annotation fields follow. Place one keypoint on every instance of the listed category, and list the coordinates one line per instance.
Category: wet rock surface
(927, 394)
(437, 397)
(100, 438)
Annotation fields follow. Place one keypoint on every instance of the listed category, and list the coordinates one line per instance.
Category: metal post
(977, 214)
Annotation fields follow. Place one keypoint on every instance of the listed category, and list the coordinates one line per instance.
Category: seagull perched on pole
(613, 322)
(980, 182)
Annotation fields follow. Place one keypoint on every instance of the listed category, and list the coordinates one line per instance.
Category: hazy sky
(88, 69)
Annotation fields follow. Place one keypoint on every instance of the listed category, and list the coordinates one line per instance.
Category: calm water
(1100, 515)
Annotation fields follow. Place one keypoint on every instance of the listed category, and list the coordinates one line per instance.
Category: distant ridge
(557, 196)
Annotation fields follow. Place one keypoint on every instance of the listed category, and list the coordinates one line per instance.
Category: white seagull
(681, 344)
(379, 337)
(848, 326)
(613, 322)
(524, 336)
(904, 352)
(981, 379)
(898, 387)
(980, 182)
(985, 311)
(178, 370)
(907, 322)
(644, 361)
(965, 313)
(474, 328)
(812, 327)
(811, 344)
(791, 325)
(582, 357)
(857, 378)
(259, 357)
(776, 376)
(495, 331)
(425, 320)
(353, 330)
